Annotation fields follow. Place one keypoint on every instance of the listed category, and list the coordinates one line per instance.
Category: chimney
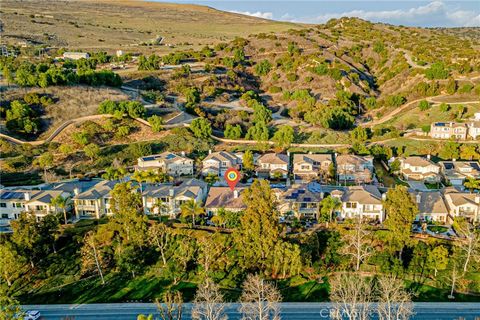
(454, 159)
(76, 191)
(384, 196)
(26, 195)
(171, 192)
(477, 198)
(309, 152)
(428, 156)
(235, 194)
(182, 153)
(418, 198)
(209, 151)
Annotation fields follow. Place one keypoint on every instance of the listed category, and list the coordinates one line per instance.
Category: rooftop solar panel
(448, 165)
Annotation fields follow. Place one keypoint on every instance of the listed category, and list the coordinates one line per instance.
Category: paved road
(426, 311)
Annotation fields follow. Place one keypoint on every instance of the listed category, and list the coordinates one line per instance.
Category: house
(12, 203)
(94, 202)
(474, 128)
(462, 204)
(38, 202)
(168, 162)
(167, 199)
(218, 162)
(431, 206)
(448, 130)
(303, 200)
(419, 169)
(224, 198)
(353, 168)
(456, 172)
(75, 55)
(273, 165)
(308, 167)
(360, 201)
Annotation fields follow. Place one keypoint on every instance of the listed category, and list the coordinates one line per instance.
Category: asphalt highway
(300, 311)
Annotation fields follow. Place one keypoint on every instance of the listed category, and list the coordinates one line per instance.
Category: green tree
(62, 203)
(191, 208)
(437, 71)
(201, 128)
(359, 134)
(469, 152)
(437, 259)
(424, 105)
(259, 229)
(156, 122)
(10, 263)
(247, 161)
(472, 184)
(258, 132)
(328, 206)
(45, 161)
(9, 307)
(233, 132)
(263, 67)
(92, 151)
(284, 137)
(128, 221)
(401, 210)
(451, 86)
(451, 150)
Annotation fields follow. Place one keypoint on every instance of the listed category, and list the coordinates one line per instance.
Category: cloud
(258, 14)
(435, 13)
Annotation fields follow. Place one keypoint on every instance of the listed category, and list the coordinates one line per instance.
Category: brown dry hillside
(124, 24)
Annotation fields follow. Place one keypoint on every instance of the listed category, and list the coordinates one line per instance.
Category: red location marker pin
(232, 176)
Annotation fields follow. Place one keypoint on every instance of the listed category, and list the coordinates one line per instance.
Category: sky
(401, 12)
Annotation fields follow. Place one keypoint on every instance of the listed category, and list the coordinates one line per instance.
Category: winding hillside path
(407, 105)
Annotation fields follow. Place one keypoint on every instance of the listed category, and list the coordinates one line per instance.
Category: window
(18, 205)
(351, 205)
(3, 205)
(4, 215)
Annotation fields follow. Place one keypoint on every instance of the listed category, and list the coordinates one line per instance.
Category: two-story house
(168, 162)
(273, 165)
(303, 200)
(448, 130)
(456, 172)
(167, 199)
(353, 168)
(223, 198)
(431, 206)
(419, 169)
(308, 167)
(360, 201)
(94, 202)
(462, 204)
(38, 202)
(218, 162)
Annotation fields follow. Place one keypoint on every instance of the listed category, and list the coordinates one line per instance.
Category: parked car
(32, 315)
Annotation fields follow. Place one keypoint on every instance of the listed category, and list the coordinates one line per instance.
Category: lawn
(437, 229)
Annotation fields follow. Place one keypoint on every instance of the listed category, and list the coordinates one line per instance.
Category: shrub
(424, 105)
(274, 89)
(292, 77)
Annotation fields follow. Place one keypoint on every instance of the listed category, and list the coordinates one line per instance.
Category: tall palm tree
(139, 176)
(62, 203)
(328, 205)
(191, 208)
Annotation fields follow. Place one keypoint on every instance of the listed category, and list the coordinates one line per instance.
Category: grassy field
(416, 118)
(125, 25)
(70, 102)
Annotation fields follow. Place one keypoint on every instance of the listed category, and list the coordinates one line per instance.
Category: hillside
(110, 25)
